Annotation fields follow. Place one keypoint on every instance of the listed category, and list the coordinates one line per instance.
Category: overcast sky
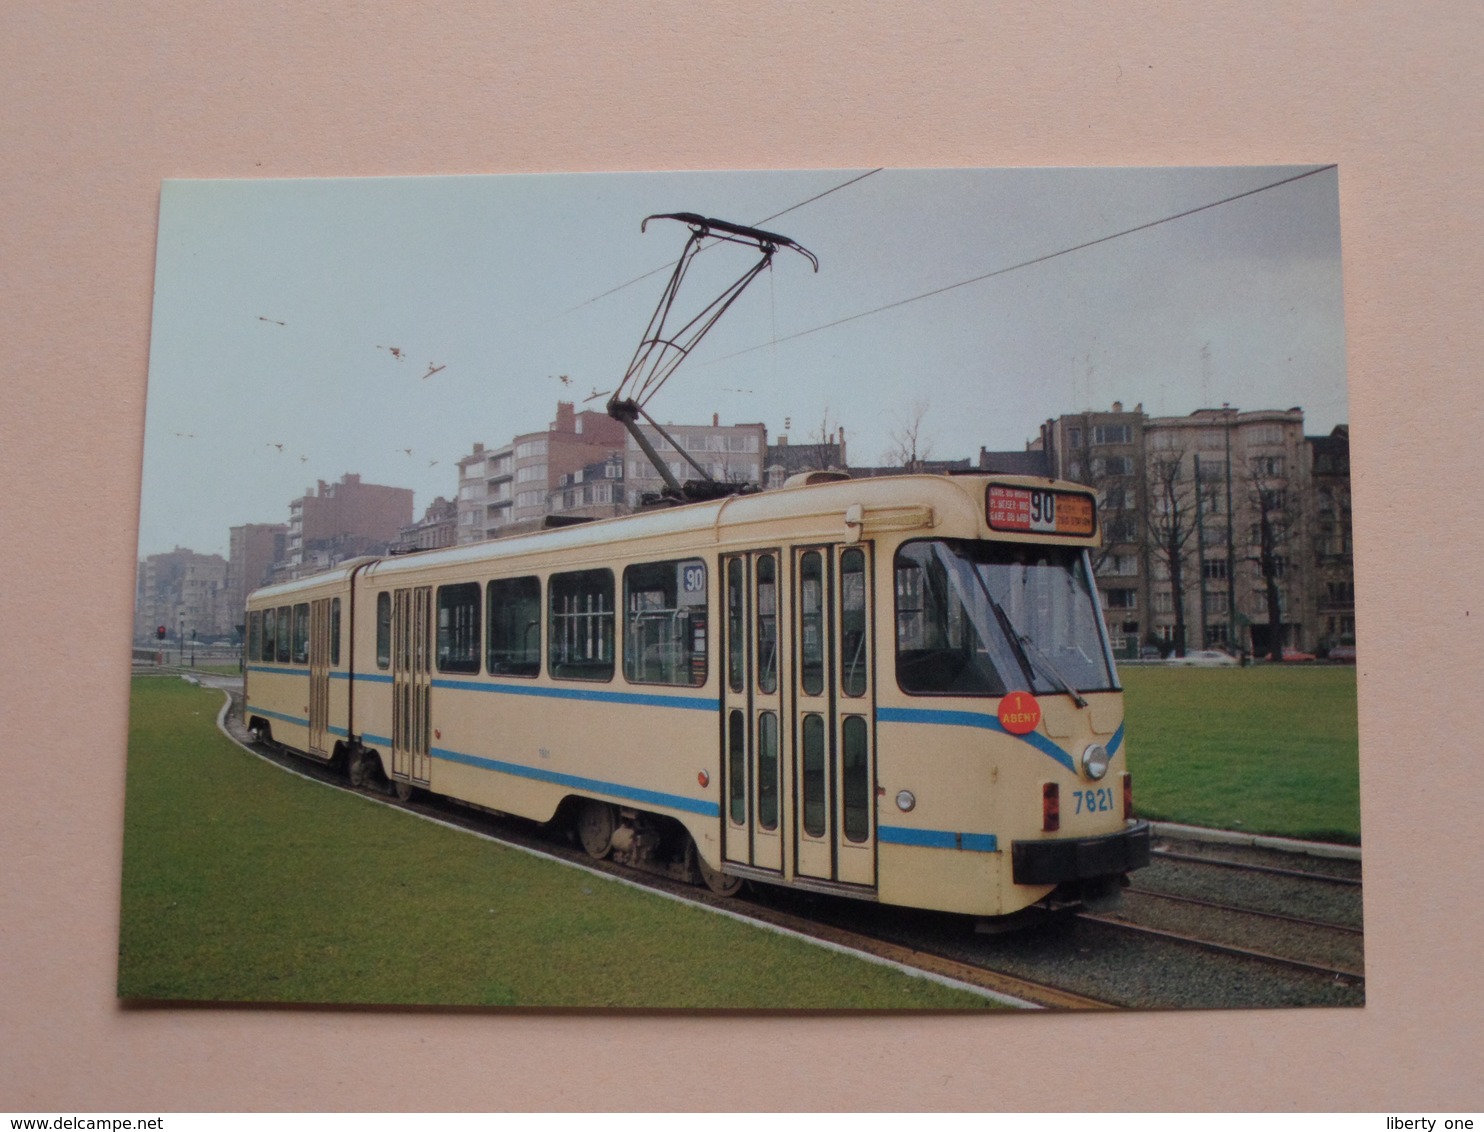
(278, 305)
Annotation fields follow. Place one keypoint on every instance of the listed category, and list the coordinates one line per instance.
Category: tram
(895, 689)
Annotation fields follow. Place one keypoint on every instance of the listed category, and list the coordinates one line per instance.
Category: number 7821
(1093, 801)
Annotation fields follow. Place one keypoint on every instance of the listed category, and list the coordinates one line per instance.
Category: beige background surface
(100, 102)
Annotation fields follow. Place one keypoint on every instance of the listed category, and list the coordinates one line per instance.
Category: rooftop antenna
(661, 351)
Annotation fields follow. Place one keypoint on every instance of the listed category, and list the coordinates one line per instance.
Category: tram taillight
(1050, 807)
(1128, 796)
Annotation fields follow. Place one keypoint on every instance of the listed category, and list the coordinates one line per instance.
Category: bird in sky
(432, 369)
(395, 351)
(271, 444)
(276, 322)
(563, 378)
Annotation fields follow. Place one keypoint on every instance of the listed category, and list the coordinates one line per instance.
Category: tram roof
(959, 495)
(943, 493)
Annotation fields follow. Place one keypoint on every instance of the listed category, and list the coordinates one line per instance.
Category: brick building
(342, 520)
(516, 483)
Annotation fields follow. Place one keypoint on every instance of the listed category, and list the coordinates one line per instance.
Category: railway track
(1205, 953)
(1253, 905)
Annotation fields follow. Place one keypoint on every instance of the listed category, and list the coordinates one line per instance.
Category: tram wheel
(355, 767)
(595, 825)
(404, 790)
(718, 882)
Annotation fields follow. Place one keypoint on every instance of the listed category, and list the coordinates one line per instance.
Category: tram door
(833, 715)
(319, 676)
(753, 731)
(412, 675)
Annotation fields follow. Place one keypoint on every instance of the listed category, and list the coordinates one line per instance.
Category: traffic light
(160, 633)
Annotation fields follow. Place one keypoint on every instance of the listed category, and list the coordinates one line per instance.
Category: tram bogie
(897, 690)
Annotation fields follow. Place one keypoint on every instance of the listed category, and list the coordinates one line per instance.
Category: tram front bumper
(1057, 860)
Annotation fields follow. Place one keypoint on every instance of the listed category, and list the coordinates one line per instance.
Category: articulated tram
(894, 689)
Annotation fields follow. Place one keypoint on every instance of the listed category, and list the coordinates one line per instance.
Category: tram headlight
(1095, 761)
(905, 801)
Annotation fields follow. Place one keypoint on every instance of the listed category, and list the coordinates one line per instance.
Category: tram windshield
(987, 618)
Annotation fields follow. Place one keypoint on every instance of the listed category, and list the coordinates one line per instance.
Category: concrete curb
(1257, 841)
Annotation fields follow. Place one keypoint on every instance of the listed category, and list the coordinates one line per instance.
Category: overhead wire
(815, 197)
(1025, 263)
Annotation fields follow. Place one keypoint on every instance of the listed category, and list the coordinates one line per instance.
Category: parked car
(1343, 654)
(1149, 652)
(1290, 655)
(1204, 658)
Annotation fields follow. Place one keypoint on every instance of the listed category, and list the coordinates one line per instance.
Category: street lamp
(180, 642)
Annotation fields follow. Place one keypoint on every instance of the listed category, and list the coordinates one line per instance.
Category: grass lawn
(1266, 749)
(243, 883)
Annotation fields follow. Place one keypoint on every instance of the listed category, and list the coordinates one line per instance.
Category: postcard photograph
(866, 589)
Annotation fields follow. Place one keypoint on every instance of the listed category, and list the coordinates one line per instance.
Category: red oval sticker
(1020, 714)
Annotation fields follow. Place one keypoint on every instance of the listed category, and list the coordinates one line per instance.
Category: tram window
(580, 625)
(458, 627)
(270, 635)
(736, 768)
(665, 623)
(767, 770)
(811, 623)
(384, 630)
(285, 631)
(335, 632)
(853, 623)
(301, 634)
(984, 618)
(254, 635)
(767, 624)
(940, 647)
(814, 775)
(855, 772)
(736, 630)
(515, 627)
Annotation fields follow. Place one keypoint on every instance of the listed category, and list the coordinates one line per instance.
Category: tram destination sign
(1040, 510)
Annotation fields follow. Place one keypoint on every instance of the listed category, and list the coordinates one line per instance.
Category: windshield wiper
(1047, 668)
(1025, 646)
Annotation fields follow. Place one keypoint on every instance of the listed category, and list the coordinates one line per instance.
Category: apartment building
(515, 483)
(1334, 578)
(252, 550)
(341, 520)
(1210, 524)
(184, 592)
(437, 528)
(727, 453)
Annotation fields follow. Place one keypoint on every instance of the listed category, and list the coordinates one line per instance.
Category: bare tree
(910, 447)
(825, 453)
(1171, 523)
(1274, 508)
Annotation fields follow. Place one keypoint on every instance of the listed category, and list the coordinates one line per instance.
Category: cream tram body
(807, 682)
